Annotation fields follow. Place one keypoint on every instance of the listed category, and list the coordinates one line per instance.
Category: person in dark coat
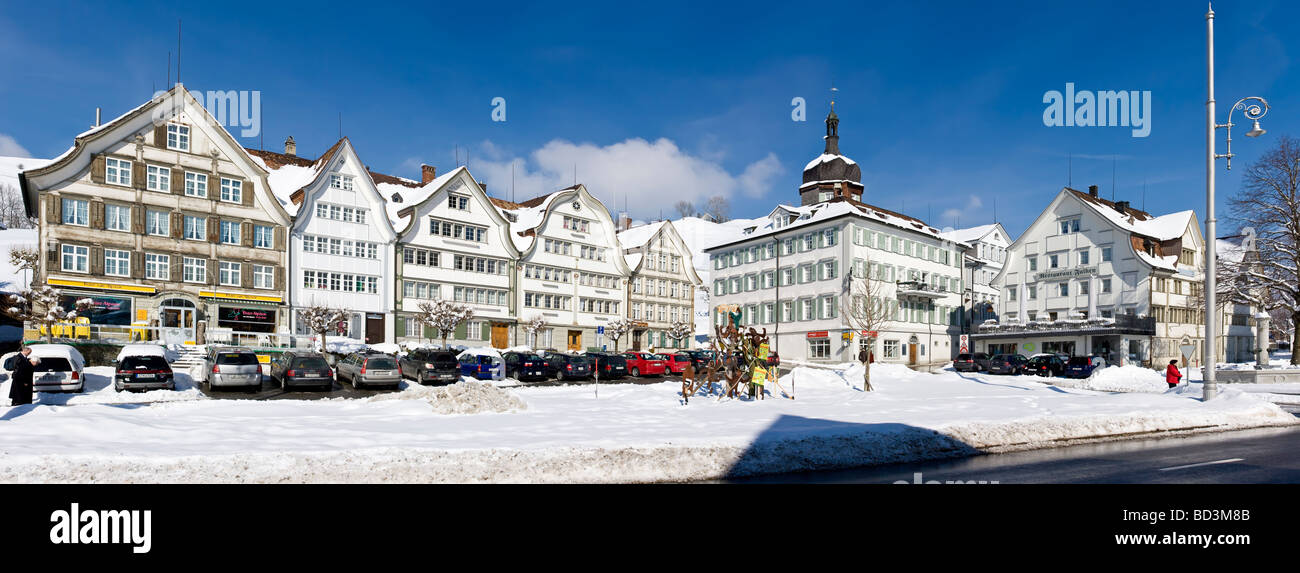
(20, 380)
(1172, 375)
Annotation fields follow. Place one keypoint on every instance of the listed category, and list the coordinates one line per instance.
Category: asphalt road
(1247, 456)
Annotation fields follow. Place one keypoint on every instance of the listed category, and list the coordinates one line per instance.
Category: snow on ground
(98, 389)
(628, 433)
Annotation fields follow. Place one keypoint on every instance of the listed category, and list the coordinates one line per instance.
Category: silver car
(229, 366)
(369, 370)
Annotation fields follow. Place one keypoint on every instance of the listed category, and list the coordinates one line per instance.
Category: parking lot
(272, 391)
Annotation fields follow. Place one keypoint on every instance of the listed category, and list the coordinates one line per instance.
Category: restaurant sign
(1073, 273)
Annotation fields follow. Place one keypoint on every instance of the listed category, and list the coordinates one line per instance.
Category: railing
(919, 286)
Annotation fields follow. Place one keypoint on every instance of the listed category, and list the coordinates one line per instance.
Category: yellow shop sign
(236, 296)
(102, 286)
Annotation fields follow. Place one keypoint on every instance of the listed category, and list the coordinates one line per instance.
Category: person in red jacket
(1172, 375)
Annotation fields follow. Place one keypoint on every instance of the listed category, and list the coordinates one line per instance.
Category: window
(1069, 226)
(458, 202)
(809, 309)
(891, 348)
(1105, 285)
(1083, 286)
(1011, 293)
(1064, 288)
(263, 276)
(1105, 254)
(263, 237)
(76, 258)
(343, 182)
(583, 226)
(76, 212)
(117, 218)
(196, 228)
(1053, 261)
(232, 190)
(1033, 263)
(157, 223)
(412, 327)
(460, 231)
(117, 171)
(819, 348)
(1031, 291)
(178, 137)
(158, 179)
(230, 232)
(117, 263)
(1083, 257)
(157, 267)
(196, 185)
(229, 273)
(195, 270)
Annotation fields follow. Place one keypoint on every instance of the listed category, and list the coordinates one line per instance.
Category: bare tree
(42, 307)
(25, 258)
(717, 207)
(13, 214)
(1269, 202)
(684, 208)
(443, 316)
(616, 329)
(681, 330)
(535, 324)
(320, 319)
(866, 309)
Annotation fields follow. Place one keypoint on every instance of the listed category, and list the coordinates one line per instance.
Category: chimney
(97, 123)
(624, 221)
(1122, 207)
(1092, 190)
(428, 173)
(290, 148)
(484, 186)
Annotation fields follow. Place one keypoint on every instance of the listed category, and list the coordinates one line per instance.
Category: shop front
(241, 319)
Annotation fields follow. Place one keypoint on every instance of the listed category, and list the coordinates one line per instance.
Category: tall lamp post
(1254, 108)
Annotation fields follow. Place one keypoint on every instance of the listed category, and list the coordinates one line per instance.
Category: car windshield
(143, 363)
(381, 363)
(53, 364)
(963, 357)
(237, 358)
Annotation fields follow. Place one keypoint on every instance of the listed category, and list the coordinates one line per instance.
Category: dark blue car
(1082, 366)
(482, 367)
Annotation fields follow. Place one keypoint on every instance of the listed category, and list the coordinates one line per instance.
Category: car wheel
(635, 371)
(559, 375)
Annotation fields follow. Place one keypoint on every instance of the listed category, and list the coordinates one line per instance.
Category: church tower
(831, 174)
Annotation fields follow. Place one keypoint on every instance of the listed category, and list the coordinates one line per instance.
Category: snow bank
(465, 397)
(97, 388)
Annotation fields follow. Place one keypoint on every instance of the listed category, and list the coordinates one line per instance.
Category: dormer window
(1069, 226)
(178, 137)
(343, 182)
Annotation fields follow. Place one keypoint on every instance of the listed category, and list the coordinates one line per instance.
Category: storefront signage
(1066, 273)
(819, 334)
(247, 314)
(103, 309)
(235, 296)
(102, 286)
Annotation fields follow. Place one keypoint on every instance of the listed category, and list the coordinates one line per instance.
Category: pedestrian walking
(1172, 375)
(20, 377)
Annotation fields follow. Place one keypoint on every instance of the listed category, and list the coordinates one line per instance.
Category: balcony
(1120, 324)
(920, 289)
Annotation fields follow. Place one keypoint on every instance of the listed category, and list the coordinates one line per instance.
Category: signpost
(600, 330)
(965, 344)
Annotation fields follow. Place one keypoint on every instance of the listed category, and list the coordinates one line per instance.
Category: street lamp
(1254, 108)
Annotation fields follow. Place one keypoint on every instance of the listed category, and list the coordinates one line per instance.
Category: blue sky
(940, 102)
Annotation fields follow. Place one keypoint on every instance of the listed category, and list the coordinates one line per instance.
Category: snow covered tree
(320, 319)
(25, 259)
(536, 323)
(616, 329)
(1269, 202)
(681, 330)
(865, 308)
(443, 316)
(717, 207)
(41, 307)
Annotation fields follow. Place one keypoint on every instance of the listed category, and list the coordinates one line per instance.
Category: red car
(676, 363)
(644, 363)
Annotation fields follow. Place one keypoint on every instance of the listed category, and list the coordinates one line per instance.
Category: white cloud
(9, 147)
(648, 177)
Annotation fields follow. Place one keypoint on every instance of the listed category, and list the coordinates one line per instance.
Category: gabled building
(661, 290)
(983, 263)
(341, 245)
(792, 274)
(162, 218)
(1097, 277)
(572, 271)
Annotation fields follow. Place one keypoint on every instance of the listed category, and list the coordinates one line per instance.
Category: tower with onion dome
(831, 174)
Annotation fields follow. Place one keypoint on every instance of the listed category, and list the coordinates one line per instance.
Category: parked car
(142, 367)
(1044, 365)
(481, 366)
(525, 366)
(973, 362)
(61, 368)
(1083, 366)
(1007, 364)
(302, 368)
(644, 363)
(369, 369)
(610, 366)
(232, 366)
(676, 363)
(427, 366)
(570, 366)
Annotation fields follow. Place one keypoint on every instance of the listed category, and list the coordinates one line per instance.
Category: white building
(571, 268)
(341, 244)
(790, 274)
(662, 288)
(988, 250)
(1095, 277)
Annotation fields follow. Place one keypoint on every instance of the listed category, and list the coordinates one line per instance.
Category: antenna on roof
(1144, 194)
(340, 125)
(178, 51)
(169, 69)
(995, 209)
(575, 173)
(1069, 169)
(1112, 177)
(512, 180)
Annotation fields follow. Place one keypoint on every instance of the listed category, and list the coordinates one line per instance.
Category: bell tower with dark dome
(831, 174)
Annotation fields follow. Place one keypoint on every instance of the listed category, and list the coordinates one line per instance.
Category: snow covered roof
(969, 235)
(1163, 228)
(412, 194)
(638, 236)
(10, 167)
(827, 158)
(836, 207)
(285, 179)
